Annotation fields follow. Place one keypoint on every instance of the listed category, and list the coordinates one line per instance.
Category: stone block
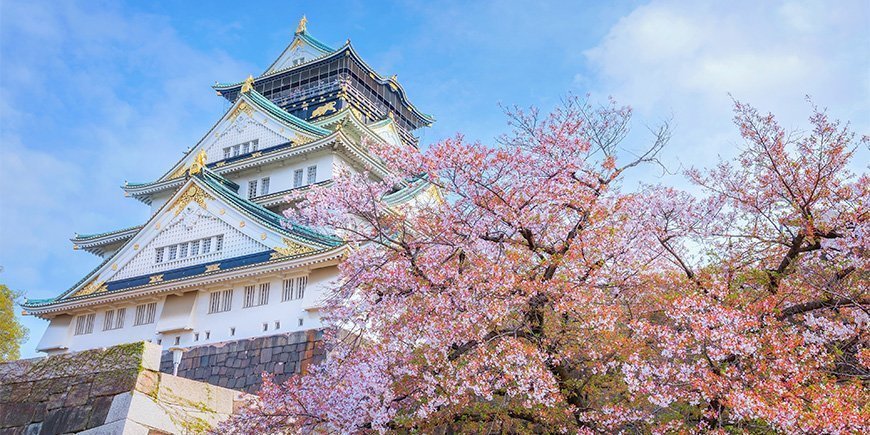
(148, 382)
(151, 357)
(55, 400)
(66, 420)
(17, 414)
(113, 382)
(119, 408)
(77, 395)
(33, 429)
(266, 355)
(100, 410)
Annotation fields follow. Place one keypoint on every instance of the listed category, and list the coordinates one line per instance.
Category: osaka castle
(217, 262)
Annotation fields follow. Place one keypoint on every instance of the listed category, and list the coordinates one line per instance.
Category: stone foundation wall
(118, 390)
(239, 364)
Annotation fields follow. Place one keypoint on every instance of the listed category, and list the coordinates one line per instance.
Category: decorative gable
(205, 227)
(243, 132)
(196, 236)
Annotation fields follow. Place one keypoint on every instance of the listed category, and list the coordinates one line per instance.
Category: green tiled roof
(279, 223)
(267, 105)
(107, 233)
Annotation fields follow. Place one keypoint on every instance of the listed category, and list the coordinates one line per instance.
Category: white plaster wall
(248, 322)
(281, 175)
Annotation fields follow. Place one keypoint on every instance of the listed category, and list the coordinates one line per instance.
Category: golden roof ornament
(301, 27)
(198, 163)
(248, 85)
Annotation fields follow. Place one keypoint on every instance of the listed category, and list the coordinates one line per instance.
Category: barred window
(301, 283)
(297, 178)
(264, 294)
(294, 288)
(85, 324)
(145, 314)
(220, 301)
(219, 243)
(312, 174)
(114, 319)
(264, 186)
(252, 188)
(159, 258)
(120, 314)
(249, 296)
(206, 245)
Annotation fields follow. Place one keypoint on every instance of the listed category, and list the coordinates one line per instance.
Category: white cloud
(91, 95)
(684, 58)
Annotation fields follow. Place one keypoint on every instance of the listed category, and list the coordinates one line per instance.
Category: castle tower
(216, 262)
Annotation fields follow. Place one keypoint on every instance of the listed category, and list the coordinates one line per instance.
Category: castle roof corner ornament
(302, 23)
(198, 163)
(248, 85)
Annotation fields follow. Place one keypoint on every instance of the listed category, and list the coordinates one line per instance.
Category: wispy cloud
(92, 94)
(685, 58)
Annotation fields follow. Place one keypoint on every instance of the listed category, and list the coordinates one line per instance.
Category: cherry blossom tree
(526, 290)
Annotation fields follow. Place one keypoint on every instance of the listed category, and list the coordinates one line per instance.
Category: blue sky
(95, 93)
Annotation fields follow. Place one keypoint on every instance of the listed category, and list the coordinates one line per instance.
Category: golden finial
(198, 163)
(248, 85)
(301, 27)
(394, 78)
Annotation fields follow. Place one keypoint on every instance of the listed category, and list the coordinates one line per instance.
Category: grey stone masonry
(240, 364)
(117, 390)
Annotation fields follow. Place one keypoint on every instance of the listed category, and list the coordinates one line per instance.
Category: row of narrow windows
(242, 148)
(189, 249)
(298, 174)
(219, 301)
(301, 177)
(114, 319)
(257, 295)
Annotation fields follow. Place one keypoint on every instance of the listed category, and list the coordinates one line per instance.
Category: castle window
(312, 174)
(236, 149)
(173, 250)
(265, 326)
(159, 258)
(297, 178)
(120, 314)
(219, 243)
(196, 336)
(114, 319)
(145, 314)
(277, 325)
(206, 245)
(85, 324)
(182, 250)
(220, 301)
(249, 296)
(207, 335)
(177, 340)
(232, 332)
(109, 320)
(264, 294)
(300, 322)
(294, 288)
(264, 186)
(252, 188)
(254, 144)
(227, 152)
(246, 147)
(194, 248)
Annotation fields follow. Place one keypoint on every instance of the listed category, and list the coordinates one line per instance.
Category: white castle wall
(247, 322)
